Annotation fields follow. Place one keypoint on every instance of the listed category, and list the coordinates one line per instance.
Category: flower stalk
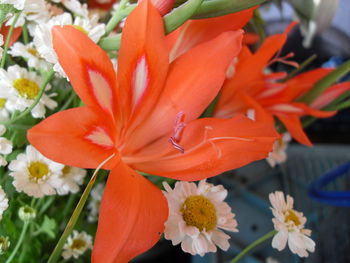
(253, 245)
(19, 243)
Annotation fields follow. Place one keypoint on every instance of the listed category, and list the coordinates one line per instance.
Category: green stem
(253, 245)
(302, 66)
(117, 17)
(25, 34)
(46, 81)
(8, 39)
(19, 243)
(76, 213)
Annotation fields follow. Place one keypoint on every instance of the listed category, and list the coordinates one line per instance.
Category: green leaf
(326, 82)
(213, 8)
(6, 9)
(180, 15)
(48, 227)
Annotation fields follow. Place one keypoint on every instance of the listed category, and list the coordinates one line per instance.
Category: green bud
(4, 244)
(27, 213)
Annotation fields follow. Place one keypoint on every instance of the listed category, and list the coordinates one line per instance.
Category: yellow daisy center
(200, 212)
(66, 169)
(78, 244)
(26, 88)
(32, 51)
(81, 29)
(291, 216)
(38, 170)
(2, 102)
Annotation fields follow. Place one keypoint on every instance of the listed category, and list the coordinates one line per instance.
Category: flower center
(32, 51)
(200, 212)
(292, 217)
(26, 88)
(38, 170)
(2, 103)
(66, 169)
(78, 244)
(81, 29)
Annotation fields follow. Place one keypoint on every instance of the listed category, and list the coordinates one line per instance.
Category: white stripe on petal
(102, 90)
(140, 80)
(100, 137)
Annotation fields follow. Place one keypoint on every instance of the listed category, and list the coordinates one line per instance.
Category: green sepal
(111, 43)
(180, 15)
(213, 8)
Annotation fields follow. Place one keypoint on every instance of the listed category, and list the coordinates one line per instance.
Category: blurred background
(324, 30)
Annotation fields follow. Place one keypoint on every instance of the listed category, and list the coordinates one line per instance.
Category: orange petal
(15, 35)
(88, 68)
(80, 137)
(143, 62)
(250, 38)
(195, 32)
(132, 216)
(193, 82)
(294, 127)
(330, 94)
(213, 146)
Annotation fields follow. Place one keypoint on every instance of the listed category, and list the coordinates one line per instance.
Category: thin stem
(25, 34)
(19, 243)
(116, 18)
(8, 39)
(46, 81)
(253, 245)
(76, 213)
(302, 66)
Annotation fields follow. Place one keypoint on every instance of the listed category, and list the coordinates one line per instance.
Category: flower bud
(4, 244)
(27, 213)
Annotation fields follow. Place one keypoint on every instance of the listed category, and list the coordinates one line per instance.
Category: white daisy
(5, 146)
(30, 54)
(20, 88)
(43, 36)
(76, 7)
(33, 11)
(95, 202)
(290, 226)
(34, 174)
(76, 245)
(71, 178)
(195, 216)
(279, 154)
(18, 4)
(4, 202)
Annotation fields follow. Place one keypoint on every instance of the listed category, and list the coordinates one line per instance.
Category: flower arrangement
(123, 105)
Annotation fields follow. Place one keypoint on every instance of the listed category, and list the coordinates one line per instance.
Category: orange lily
(250, 88)
(147, 116)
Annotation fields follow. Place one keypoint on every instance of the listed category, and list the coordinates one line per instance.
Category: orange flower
(147, 116)
(248, 87)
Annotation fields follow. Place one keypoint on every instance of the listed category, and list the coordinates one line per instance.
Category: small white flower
(5, 146)
(195, 216)
(95, 202)
(76, 245)
(18, 4)
(4, 202)
(30, 54)
(20, 88)
(76, 7)
(43, 35)
(34, 174)
(279, 154)
(33, 11)
(290, 226)
(71, 178)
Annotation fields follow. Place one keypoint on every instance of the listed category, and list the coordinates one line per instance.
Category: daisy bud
(27, 213)
(4, 244)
